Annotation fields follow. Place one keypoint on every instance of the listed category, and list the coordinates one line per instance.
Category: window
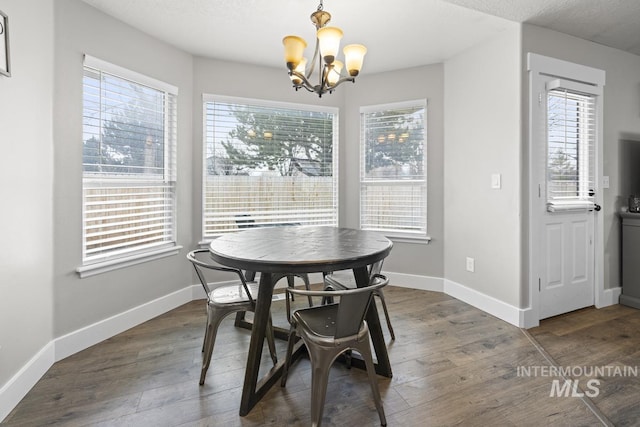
(393, 176)
(129, 164)
(570, 148)
(268, 164)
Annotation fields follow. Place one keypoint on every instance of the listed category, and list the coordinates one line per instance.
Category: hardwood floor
(600, 338)
(453, 365)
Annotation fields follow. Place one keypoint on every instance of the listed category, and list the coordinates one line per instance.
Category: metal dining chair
(223, 300)
(340, 280)
(330, 330)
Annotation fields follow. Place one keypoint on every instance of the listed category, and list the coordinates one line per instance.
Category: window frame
(585, 100)
(263, 103)
(167, 183)
(364, 182)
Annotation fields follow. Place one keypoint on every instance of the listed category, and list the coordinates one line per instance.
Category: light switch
(496, 181)
(605, 182)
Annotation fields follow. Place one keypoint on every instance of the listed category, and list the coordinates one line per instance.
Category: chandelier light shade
(354, 56)
(293, 50)
(325, 55)
(334, 74)
(329, 40)
(300, 69)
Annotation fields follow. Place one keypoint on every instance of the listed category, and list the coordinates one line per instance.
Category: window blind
(571, 135)
(129, 165)
(268, 164)
(393, 180)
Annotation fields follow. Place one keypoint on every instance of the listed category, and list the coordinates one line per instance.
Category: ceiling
(398, 34)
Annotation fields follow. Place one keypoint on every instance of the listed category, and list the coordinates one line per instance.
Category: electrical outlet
(471, 265)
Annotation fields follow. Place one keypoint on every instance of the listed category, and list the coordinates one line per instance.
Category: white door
(564, 159)
(566, 281)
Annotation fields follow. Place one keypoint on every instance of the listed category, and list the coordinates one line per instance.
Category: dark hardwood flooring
(453, 365)
(599, 338)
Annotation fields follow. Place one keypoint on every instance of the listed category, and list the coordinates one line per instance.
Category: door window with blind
(129, 164)
(268, 164)
(393, 175)
(571, 132)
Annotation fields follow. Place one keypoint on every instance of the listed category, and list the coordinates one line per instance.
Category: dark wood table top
(298, 249)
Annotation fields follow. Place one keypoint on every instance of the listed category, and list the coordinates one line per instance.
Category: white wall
(79, 302)
(482, 137)
(26, 173)
(621, 117)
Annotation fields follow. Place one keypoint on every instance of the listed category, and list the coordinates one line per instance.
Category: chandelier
(327, 47)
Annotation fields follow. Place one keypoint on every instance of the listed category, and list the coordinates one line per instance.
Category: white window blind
(571, 137)
(129, 163)
(393, 176)
(268, 164)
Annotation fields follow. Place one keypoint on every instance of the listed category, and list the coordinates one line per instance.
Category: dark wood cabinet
(630, 259)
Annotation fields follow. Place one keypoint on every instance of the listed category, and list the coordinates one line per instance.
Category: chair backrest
(245, 221)
(353, 306)
(198, 265)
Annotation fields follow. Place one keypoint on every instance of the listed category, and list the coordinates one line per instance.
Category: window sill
(414, 240)
(106, 266)
(569, 206)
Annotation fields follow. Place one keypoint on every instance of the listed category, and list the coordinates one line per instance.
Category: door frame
(542, 65)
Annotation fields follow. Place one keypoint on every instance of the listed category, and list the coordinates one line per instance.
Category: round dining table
(277, 252)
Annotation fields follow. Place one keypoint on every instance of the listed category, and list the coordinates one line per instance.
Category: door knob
(597, 207)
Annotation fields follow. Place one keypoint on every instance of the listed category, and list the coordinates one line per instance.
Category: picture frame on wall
(5, 64)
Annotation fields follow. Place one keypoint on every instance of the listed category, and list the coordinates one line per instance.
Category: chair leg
(287, 360)
(364, 348)
(213, 322)
(307, 285)
(271, 341)
(386, 314)
(206, 329)
(291, 284)
(321, 361)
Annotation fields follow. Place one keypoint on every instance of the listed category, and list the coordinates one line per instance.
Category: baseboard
(608, 297)
(19, 385)
(423, 283)
(76, 341)
(528, 318)
(500, 309)
(516, 316)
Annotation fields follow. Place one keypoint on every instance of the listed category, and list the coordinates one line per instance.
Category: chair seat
(319, 321)
(230, 294)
